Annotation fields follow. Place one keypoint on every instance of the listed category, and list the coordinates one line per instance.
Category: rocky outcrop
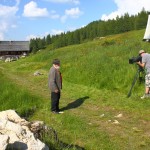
(17, 133)
(37, 73)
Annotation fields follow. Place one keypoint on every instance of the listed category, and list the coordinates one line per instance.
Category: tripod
(139, 72)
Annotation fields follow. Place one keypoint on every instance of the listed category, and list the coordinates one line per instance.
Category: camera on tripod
(135, 59)
(139, 74)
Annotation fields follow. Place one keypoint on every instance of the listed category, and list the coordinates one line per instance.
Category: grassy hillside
(96, 80)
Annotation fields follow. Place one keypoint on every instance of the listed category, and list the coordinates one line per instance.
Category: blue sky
(25, 19)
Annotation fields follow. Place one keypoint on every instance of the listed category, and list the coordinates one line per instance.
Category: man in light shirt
(145, 64)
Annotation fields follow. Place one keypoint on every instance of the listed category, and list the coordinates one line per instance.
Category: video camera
(135, 59)
(140, 72)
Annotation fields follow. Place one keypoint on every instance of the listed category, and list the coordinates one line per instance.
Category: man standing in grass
(145, 63)
(55, 85)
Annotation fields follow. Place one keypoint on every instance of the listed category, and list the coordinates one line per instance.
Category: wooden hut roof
(14, 46)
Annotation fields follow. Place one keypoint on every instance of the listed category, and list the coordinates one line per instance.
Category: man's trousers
(55, 101)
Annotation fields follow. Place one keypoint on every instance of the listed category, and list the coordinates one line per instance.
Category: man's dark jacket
(54, 79)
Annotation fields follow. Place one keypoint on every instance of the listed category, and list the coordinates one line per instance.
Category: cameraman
(145, 64)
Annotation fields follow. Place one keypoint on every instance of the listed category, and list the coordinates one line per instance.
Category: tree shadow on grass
(75, 104)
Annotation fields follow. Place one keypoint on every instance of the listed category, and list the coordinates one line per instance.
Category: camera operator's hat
(141, 51)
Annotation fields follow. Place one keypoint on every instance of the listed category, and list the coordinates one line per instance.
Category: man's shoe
(61, 112)
(145, 96)
(55, 112)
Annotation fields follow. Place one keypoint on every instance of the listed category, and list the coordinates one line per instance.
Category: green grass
(19, 99)
(96, 80)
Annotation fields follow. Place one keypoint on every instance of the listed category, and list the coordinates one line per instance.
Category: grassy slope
(96, 80)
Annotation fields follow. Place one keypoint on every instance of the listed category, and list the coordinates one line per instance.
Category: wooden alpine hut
(14, 48)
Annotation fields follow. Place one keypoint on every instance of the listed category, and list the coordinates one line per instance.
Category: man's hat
(141, 51)
(56, 62)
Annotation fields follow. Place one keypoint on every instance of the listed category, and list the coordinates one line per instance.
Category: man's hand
(139, 63)
(56, 91)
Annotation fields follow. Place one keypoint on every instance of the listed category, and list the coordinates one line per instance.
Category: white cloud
(1, 36)
(31, 36)
(54, 15)
(7, 11)
(71, 13)
(31, 10)
(54, 31)
(3, 28)
(71, 28)
(13, 26)
(17, 2)
(7, 18)
(65, 1)
(127, 6)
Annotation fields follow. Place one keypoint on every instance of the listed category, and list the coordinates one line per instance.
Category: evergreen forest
(95, 29)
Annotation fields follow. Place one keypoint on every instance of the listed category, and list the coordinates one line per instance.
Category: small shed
(16, 48)
(147, 31)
